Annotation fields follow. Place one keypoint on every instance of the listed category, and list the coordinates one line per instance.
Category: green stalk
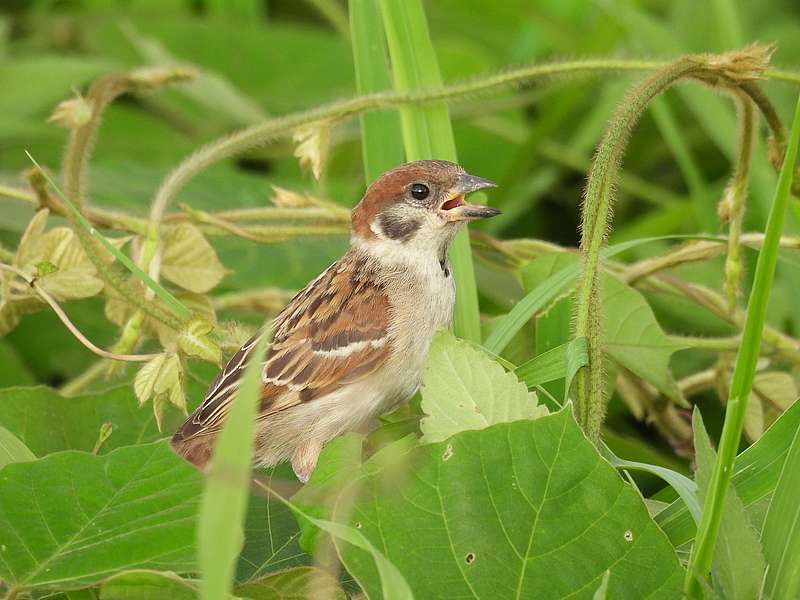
(380, 130)
(179, 309)
(427, 133)
(744, 372)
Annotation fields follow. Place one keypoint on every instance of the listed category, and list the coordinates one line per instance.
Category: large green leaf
(71, 519)
(738, 566)
(463, 388)
(519, 510)
(271, 533)
(48, 422)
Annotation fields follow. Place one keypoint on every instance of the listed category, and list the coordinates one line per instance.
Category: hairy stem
(732, 206)
(724, 71)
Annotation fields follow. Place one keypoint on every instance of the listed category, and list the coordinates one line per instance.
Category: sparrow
(351, 345)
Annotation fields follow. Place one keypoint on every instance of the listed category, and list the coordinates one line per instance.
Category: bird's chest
(422, 303)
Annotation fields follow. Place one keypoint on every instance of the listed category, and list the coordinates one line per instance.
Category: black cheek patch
(398, 228)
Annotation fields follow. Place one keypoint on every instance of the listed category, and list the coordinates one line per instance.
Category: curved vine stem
(725, 72)
(70, 325)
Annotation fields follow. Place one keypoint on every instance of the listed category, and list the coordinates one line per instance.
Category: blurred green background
(262, 58)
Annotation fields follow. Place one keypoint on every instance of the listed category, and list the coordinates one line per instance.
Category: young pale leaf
(194, 341)
(118, 311)
(161, 379)
(463, 389)
(132, 508)
(189, 260)
(519, 510)
(780, 535)
(738, 565)
(12, 449)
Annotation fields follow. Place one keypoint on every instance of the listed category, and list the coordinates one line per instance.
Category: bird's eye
(420, 191)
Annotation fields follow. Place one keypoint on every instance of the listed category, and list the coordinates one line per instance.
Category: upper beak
(454, 208)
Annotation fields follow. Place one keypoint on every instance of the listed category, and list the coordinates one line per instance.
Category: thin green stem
(744, 373)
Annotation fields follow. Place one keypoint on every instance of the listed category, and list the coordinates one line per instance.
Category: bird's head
(418, 207)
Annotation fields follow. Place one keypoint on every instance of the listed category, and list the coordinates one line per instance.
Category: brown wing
(335, 331)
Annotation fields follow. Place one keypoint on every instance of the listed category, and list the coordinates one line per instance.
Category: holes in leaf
(448, 453)
(469, 558)
(628, 535)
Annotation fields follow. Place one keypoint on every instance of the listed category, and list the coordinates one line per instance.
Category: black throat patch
(398, 228)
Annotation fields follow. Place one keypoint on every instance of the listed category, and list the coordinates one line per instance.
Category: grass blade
(224, 503)
(427, 133)
(780, 536)
(381, 139)
(744, 371)
(177, 307)
(552, 364)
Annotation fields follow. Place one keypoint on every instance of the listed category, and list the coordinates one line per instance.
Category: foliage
(209, 153)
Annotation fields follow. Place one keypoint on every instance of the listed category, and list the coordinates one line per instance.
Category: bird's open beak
(455, 208)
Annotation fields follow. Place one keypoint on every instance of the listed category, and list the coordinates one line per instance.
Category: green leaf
(738, 565)
(224, 503)
(427, 133)
(132, 508)
(13, 370)
(47, 422)
(634, 339)
(780, 535)
(518, 510)
(12, 450)
(143, 584)
(564, 268)
(556, 363)
(339, 461)
(755, 475)
(293, 584)
(462, 388)
(272, 533)
(684, 486)
(189, 260)
(390, 580)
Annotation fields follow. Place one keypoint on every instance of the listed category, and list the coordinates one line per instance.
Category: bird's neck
(408, 256)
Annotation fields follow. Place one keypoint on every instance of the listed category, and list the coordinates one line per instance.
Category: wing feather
(333, 332)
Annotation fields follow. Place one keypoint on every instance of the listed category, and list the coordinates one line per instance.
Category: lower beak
(455, 208)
